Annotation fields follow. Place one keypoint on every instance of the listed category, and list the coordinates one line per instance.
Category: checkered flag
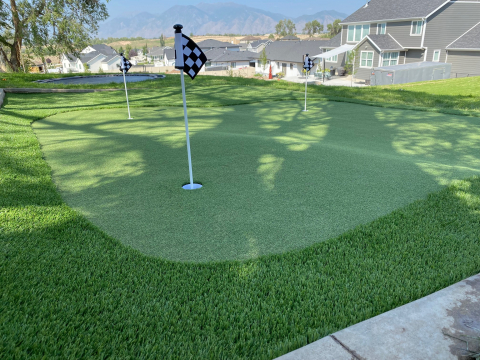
(193, 57)
(307, 63)
(125, 64)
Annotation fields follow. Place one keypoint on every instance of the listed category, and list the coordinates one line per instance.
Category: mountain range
(202, 19)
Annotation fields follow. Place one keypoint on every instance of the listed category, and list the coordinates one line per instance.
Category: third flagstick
(188, 57)
(126, 65)
(307, 65)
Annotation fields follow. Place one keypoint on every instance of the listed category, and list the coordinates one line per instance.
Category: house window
(332, 59)
(234, 64)
(278, 65)
(416, 28)
(390, 58)
(357, 32)
(291, 66)
(366, 59)
(436, 55)
(382, 29)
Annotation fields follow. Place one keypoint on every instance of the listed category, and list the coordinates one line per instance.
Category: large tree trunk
(15, 49)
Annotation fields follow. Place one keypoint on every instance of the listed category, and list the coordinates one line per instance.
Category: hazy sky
(285, 7)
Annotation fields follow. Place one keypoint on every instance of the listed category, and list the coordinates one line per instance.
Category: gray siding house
(387, 33)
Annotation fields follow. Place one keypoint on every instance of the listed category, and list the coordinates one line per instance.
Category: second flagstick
(126, 65)
(307, 65)
(188, 57)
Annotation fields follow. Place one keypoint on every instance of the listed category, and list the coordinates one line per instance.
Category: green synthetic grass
(70, 291)
(455, 96)
(275, 178)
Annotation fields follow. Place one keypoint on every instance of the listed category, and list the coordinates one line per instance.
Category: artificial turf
(275, 178)
(70, 291)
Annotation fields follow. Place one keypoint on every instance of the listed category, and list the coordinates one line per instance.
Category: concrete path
(415, 331)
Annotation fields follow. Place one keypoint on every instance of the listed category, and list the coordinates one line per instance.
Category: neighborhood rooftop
(385, 42)
(292, 51)
(469, 40)
(378, 10)
(211, 43)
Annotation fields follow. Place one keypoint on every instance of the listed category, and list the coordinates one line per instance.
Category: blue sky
(285, 7)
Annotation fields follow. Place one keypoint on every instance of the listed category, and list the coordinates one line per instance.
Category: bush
(100, 70)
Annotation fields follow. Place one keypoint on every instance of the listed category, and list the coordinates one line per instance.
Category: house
(386, 33)
(231, 60)
(287, 57)
(93, 58)
(258, 46)
(210, 44)
(248, 39)
(169, 57)
(289, 38)
(156, 54)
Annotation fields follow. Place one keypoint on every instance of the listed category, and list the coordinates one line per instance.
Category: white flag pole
(306, 79)
(126, 93)
(179, 65)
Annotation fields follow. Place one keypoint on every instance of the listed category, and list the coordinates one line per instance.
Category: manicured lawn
(71, 291)
(275, 178)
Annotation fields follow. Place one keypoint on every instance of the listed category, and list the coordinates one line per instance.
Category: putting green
(274, 178)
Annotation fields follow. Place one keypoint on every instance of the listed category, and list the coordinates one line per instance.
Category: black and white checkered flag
(307, 63)
(125, 64)
(193, 57)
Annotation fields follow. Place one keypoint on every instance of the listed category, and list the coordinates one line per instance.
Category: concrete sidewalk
(415, 331)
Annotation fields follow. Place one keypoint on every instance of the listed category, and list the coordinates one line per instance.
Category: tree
(263, 59)
(145, 50)
(47, 27)
(335, 28)
(285, 27)
(120, 50)
(317, 28)
(307, 28)
(271, 36)
(162, 40)
(128, 48)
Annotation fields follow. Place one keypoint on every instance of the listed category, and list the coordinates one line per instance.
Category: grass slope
(454, 96)
(275, 178)
(70, 291)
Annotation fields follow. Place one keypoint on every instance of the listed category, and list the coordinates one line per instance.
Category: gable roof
(383, 42)
(289, 38)
(237, 56)
(169, 54)
(257, 43)
(468, 41)
(110, 58)
(85, 58)
(214, 53)
(380, 10)
(334, 42)
(104, 49)
(211, 43)
(292, 51)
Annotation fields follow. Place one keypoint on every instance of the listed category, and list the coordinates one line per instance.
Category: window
(259, 62)
(357, 32)
(234, 64)
(390, 58)
(332, 59)
(291, 66)
(382, 29)
(278, 65)
(416, 28)
(366, 59)
(436, 55)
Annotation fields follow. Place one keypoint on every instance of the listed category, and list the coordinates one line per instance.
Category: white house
(287, 57)
(96, 57)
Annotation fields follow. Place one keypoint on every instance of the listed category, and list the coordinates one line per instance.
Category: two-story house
(386, 33)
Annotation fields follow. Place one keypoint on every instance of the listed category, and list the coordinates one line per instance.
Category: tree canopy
(313, 27)
(285, 27)
(334, 28)
(162, 40)
(47, 27)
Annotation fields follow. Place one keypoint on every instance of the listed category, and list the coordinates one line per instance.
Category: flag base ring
(191, 186)
(304, 110)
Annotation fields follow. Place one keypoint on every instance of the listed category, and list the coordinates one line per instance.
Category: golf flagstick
(306, 80)
(188, 57)
(125, 65)
(190, 186)
(126, 94)
(307, 66)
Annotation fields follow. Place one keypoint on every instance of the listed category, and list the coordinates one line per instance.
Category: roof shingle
(469, 40)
